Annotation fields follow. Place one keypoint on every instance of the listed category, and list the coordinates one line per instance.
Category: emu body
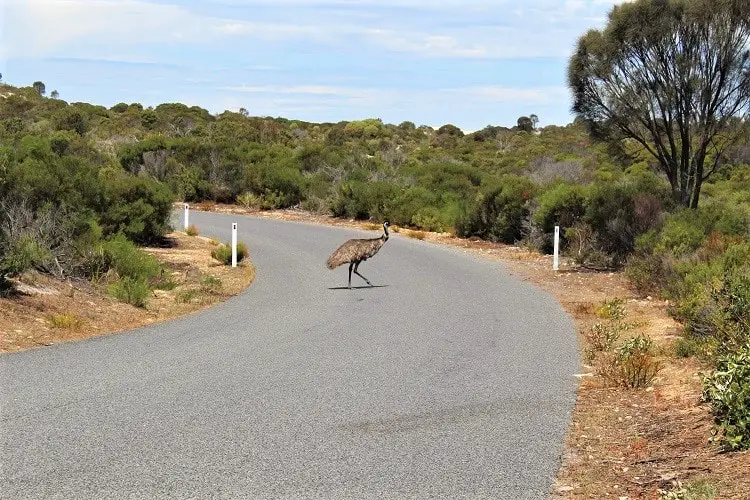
(356, 251)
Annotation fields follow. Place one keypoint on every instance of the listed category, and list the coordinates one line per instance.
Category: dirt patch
(47, 311)
(624, 444)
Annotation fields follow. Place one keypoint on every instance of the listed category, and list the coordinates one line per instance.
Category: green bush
(499, 211)
(364, 200)
(563, 205)
(223, 253)
(22, 254)
(128, 260)
(632, 365)
(132, 291)
(728, 391)
(680, 235)
(688, 346)
(139, 208)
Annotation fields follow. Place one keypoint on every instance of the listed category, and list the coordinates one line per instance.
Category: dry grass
(192, 230)
(51, 311)
(417, 235)
(69, 321)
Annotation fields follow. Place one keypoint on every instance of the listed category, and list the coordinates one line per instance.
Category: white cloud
(488, 29)
(538, 95)
(40, 28)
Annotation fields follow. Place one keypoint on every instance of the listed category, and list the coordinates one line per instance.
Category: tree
(674, 77)
(451, 129)
(54, 94)
(534, 121)
(525, 123)
(39, 87)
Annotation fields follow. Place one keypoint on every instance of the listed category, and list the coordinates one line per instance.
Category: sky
(471, 63)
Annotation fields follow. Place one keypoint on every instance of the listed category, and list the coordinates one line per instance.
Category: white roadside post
(187, 215)
(234, 244)
(556, 258)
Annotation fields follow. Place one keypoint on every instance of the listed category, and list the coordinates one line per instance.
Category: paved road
(448, 380)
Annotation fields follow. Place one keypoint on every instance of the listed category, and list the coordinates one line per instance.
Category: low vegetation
(223, 253)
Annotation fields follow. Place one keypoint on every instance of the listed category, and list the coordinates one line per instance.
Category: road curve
(449, 379)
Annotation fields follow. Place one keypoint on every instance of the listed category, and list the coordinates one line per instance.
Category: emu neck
(385, 235)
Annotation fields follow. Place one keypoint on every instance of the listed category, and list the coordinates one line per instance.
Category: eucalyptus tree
(671, 75)
(39, 87)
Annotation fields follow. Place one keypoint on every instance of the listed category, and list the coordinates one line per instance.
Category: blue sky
(471, 63)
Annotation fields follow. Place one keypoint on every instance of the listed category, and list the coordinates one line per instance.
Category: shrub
(211, 284)
(223, 253)
(68, 321)
(680, 236)
(132, 291)
(603, 336)
(686, 347)
(620, 212)
(128, 260)
(249, 200)
(562, 205)
(631, 365)
(186, 296)
(140, 208)
(192, 230)
(22, 254)
(498, 212)
(728, 391)
(431, 219)
(612, 309)
(365, 200)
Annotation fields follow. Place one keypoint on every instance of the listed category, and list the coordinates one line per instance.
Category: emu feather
(356, 251)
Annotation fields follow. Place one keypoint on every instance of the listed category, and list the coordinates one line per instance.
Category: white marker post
(556, 258)
(187, 215)
(234, 244)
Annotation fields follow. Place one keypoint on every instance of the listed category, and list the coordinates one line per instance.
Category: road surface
(448, 379)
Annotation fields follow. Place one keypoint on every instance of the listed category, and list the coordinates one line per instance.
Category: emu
(355, 251)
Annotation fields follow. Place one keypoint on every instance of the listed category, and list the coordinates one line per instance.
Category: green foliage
(563, 205)
(499, 211)
(67, 321)
(72, 119)
(129, 261)
(619, 212)
(223, 253)
(618, 73)
(131, 291)
(210, 284)
(632, 365)
(22, 254)
(365, 200)
(613, 309)
(138, 207)
(728, 391)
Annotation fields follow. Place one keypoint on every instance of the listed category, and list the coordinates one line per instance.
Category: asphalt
(448, 379)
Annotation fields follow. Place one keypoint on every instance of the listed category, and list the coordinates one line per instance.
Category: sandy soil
(47, 311)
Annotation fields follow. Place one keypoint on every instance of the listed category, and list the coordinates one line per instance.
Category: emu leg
(351, 264)
(357, 273)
